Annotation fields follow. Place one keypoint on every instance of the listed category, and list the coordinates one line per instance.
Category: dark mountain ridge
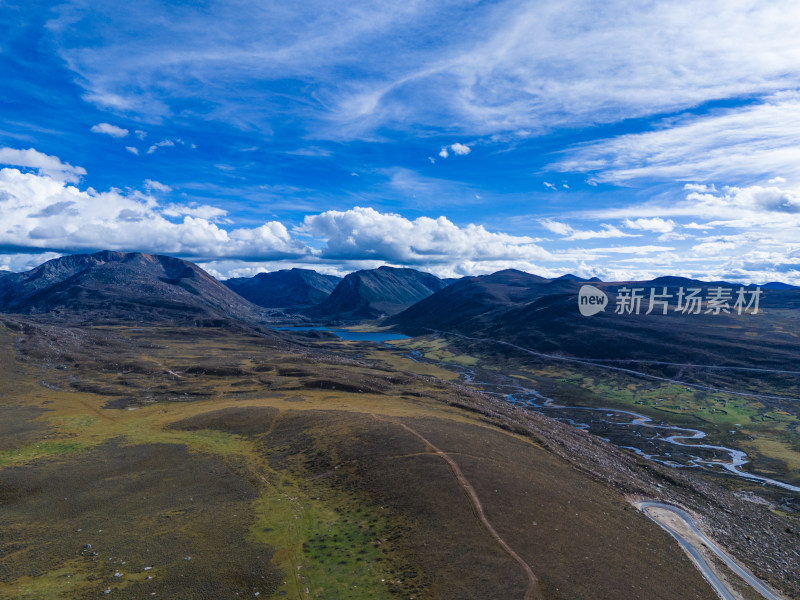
(292, 288)
(543, 315)
(375, 293)
(120, 286)
(457, 304)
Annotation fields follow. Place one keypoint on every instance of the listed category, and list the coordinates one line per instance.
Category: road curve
(719, 587)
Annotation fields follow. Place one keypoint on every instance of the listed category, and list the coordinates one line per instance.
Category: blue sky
(617, 139)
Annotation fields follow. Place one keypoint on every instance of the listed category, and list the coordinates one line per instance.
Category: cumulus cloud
(108, 129)
(200, 211)
(458, 149)
(24, 262)
(46, 165)
(556, 226)
(746, 233)
(38, 211)
(364, 233)
(133, 150)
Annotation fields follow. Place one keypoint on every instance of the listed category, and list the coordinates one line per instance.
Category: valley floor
(207, 463)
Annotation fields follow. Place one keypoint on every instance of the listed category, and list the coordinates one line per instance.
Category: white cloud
(311, 151)
(508, 66)
(656, 224)
(547, 64)
(672, 236)
(556, 226)
(458, 149)
(203, 211)
(700, 187)
(694, 225)
(40, 212)
(46, 165)
(752, 143)
(548, 185)
(715, 248)
(364, 233)
(24, 262)
(161, 144)
(750, 207)
(151, 185)
(644, 249)
(729, 233)
(607, 231)
(132, 150)
(140, 134)
(108, 129)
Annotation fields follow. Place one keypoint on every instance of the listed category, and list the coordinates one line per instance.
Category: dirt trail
(533, 592)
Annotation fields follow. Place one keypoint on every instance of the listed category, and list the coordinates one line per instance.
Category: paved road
(722, 589)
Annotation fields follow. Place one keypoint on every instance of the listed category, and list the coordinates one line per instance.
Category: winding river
(729, 459)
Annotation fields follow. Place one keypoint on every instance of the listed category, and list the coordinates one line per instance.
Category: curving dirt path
(533, 592)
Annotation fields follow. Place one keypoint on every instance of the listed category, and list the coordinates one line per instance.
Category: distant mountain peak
(115, 286)
(288, 288)
(373, 293)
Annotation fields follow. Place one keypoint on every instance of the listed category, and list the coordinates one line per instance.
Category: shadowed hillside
(543, 315)
(375, 293)
(112, 286)
(293, 288)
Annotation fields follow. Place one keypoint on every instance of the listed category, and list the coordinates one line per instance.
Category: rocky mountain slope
(288, 288)
(113, 286)
(375, 293)
(544, 315)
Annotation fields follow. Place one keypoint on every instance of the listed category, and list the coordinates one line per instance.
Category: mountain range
(347, 436)
(292, 288)
(519, 308)
(376, 293)
(542, 315)
(113, 286)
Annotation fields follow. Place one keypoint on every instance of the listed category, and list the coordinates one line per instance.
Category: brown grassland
(221, 463)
